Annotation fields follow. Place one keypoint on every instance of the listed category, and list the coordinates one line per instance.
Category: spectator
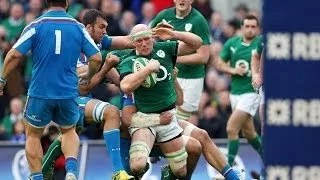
(35, 7)
(216, 23)
(15, 23)
(127, 22)
(148, 13)
(74, 8)
(16, 114)
(204, 6)
(4, 9)
(18, 132)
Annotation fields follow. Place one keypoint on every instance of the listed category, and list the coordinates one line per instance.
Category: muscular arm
(255, 63)
(200, 57)
(189, 42)
(222, 66)
(94, 64)
(11, 62)
(121, 42)
(179, 93)
(132, 81)
(113, 76)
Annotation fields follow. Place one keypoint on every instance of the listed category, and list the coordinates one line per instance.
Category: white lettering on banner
(296, 173)
(305, 113)
(296, 46)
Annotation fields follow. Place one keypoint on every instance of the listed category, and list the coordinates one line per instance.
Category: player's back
(55, 49)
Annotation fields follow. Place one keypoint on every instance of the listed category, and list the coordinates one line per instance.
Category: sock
(183, 115)
(125, 144)
(257, 145)
(229, 173)
(71, 165)
(36, 176)
(233, 146)
(53, 153)
(112, 140)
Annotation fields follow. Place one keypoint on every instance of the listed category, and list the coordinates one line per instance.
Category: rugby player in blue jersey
(55, 40)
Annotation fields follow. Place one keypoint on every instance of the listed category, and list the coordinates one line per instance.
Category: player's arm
(131, 81)
(121, 42)
(178, 88)
(220, 63)
(110, 62)
(113, 76)
(200, 57)
(12, 59)
(188, 42)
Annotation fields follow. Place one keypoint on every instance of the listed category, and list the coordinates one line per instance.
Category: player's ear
(89, 27)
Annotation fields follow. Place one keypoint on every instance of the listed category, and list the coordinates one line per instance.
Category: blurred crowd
(122, 15)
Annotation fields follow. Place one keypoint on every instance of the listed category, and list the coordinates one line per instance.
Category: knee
(249, 134)
(232, 131)
(201, 135)
(110, 112)
(193, 147)
(178, 162)
(137, 165)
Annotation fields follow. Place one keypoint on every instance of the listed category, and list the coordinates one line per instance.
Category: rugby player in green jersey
(244, 100)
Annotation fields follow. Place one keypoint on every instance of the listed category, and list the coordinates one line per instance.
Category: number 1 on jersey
(58, 41)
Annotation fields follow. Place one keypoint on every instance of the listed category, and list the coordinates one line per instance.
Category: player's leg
(261, 108)
(66, 116)
(254, 139)
(141, 144)
(54, 151)
(98, 111)
(210, 151)
(193, 148)
(38, 114)
(192, 89)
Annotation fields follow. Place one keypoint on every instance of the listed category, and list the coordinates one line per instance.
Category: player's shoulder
(166, 12)
(164, 44)
(234, 39)
(197, 15)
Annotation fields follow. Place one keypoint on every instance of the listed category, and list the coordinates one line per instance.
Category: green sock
(53, 153)
(257, 144)
(233, 146)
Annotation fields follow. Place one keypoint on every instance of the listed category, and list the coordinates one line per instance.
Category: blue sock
(229, 173)
(125, 157)
(112, 140)
(36, 176)
(71, 165)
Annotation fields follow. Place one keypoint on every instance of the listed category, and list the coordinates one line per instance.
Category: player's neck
(183, 14)
(56, 8)
(246, 40)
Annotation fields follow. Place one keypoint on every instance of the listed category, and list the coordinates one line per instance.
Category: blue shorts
(127, 100)
(40, 112)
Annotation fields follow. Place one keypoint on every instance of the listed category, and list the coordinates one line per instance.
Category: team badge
(188, 27)
(161, 53)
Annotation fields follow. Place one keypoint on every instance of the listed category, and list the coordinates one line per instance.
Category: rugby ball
(140, 63)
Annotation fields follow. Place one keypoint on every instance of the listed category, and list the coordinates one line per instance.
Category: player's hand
(175, 72)
(112, 60)
(256, 82)
(239, 71)
(153, 65)
(163, 33)
(2, 85)
(166, 118)
(83, 79)
(164, 24)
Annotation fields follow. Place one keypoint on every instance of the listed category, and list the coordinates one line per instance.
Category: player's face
(183, 5)
(99, 29)
(249, 28)
(144, 45)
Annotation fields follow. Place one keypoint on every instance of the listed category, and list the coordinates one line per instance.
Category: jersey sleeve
(106, 42)
(24, 43)
(89, 47)
(225, 53)
(125, 66)
(202, 30)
